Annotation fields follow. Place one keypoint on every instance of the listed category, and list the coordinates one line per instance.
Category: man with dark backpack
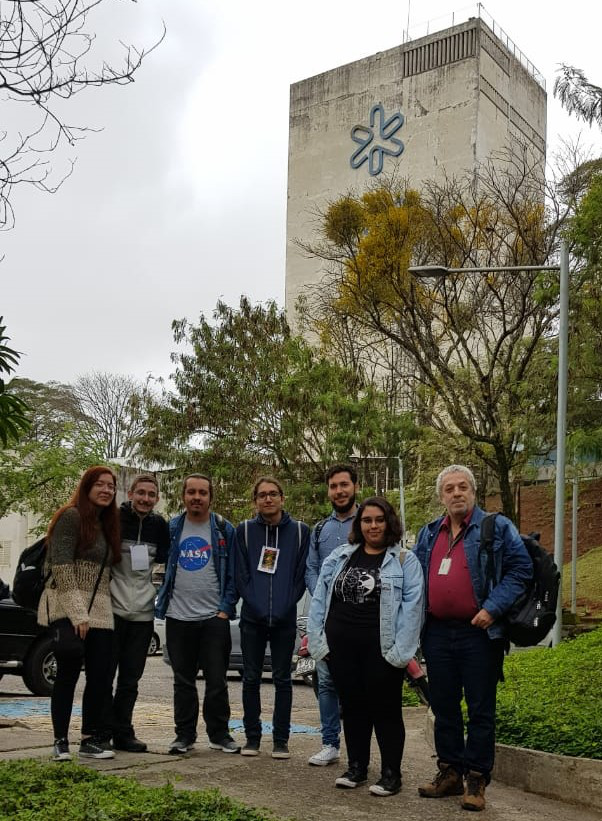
(533, 614)
(197, 599)
(463, 638)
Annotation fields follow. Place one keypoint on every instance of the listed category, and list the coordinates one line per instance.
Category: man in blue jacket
(463, 638)
(197, 599)
(270, 573)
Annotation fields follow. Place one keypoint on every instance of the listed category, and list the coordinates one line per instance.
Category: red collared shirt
(451, 594)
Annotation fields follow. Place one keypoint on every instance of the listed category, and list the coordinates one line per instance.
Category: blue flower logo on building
(385, 130)
(195, 553)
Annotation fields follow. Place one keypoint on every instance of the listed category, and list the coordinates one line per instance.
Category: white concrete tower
(443, 102)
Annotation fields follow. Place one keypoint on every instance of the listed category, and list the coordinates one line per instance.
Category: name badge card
(444, 566)
(139, 553)
(268, 559)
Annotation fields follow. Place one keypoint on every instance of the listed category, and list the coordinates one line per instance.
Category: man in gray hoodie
(144, 543)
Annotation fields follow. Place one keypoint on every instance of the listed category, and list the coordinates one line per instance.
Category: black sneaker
(226, 745)
(280, 750)
(352, 778)
(95, 748)
(250, 748)
(60, 751)
(388, 784)
(129, 745)
(180, 745)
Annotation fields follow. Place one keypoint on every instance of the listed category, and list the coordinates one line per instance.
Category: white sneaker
(327, 755)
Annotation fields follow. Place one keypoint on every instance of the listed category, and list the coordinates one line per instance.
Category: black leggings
(94, 652)
(370, 692)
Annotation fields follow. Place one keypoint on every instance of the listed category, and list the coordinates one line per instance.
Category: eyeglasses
(268, 494)
(368, 520)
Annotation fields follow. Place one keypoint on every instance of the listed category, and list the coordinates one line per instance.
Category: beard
(346, 507)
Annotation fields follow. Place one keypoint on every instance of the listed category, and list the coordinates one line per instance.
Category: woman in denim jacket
(365, 621)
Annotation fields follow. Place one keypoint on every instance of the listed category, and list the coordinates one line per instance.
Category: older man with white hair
(463, 639)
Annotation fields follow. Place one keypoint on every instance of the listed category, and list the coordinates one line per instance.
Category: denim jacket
(512, 564)
(401, 604)
(224, 556)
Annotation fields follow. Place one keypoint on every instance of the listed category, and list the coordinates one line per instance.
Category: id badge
(268, 559)
(444, 566)
(139, 553)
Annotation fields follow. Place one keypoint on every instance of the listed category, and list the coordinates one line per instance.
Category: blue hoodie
(271, 598)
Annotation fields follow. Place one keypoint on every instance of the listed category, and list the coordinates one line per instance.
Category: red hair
(89, 515)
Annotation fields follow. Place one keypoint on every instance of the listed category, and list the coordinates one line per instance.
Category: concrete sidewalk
(289, 788)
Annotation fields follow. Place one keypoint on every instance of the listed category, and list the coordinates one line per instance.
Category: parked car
(26, 648)
(236, 652)
(157, 640)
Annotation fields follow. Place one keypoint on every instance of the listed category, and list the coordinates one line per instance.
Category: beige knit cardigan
(69, 589)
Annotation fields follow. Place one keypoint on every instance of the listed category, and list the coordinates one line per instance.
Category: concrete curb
(562, 777)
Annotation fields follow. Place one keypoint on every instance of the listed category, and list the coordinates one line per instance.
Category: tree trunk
(503, 473)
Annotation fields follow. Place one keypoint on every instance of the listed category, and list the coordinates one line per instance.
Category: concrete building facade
(433, 106)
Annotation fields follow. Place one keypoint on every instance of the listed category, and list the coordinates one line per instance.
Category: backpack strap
(487, 535)
(98, 578)
(221, 525)
(402, 555)
(222, 550)
(299, 534)
(318, 530)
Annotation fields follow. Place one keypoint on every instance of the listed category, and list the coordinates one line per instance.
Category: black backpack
(533, 614)
(30, 579)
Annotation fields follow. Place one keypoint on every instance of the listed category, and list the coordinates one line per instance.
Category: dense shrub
(551, 699)
(35, 791)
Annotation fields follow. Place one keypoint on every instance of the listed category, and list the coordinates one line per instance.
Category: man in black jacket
(270, 577)
(144, 542)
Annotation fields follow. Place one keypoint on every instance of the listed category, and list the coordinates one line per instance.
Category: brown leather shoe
(474, 792)
(447, 782)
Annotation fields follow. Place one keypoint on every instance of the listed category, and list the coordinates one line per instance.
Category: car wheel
(154, 646)
(39, 667)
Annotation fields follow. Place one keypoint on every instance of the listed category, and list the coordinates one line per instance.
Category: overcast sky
(180, 199)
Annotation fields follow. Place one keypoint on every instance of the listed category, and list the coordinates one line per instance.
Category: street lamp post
(440, 270)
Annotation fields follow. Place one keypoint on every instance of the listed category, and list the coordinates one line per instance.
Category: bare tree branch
(45, 57)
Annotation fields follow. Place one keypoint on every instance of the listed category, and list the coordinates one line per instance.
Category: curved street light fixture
(425, 271)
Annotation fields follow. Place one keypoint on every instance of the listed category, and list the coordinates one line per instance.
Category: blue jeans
(462, 658)
(253, 641)
(328, 702)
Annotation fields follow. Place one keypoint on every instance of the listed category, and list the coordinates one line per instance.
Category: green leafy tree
(250, 397)
(39, 472)
(38, 477)
(469, 344)
(14, 420)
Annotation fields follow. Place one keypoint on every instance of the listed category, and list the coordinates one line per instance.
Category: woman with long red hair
(83, 541)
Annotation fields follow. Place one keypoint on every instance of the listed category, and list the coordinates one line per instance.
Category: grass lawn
(589, 583)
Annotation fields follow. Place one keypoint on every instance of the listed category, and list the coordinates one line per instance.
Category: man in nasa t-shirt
(197, 600)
